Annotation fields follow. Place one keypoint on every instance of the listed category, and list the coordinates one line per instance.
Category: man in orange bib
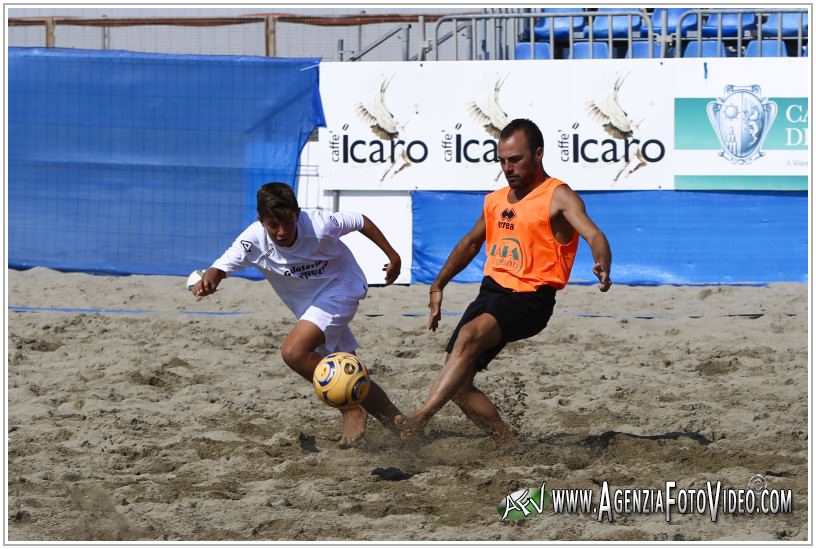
(531, 232)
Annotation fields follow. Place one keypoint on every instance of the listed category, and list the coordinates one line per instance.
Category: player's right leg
(298, 349)
(481, 333)
(298, 352)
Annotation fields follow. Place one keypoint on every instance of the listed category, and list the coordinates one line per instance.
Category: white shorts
(332, 312)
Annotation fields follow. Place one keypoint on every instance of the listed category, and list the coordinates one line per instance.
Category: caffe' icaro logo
(506, 255)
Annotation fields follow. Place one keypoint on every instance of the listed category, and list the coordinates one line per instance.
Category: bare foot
(507, 441)
(410, 428)
(354, 425)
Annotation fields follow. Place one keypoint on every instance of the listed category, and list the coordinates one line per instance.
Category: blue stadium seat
(581, 50)
(672, 18)
(620, 23)
(705, 48)
(562, 26)
(769, 48)
(790, 24)
(542, 50)
(640, 50)
(730, 24)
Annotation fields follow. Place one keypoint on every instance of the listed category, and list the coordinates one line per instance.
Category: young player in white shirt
(313, 272)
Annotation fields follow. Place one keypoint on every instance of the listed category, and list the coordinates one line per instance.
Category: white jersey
(317, 261)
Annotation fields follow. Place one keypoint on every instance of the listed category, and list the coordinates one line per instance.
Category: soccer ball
(194, 277)
(341, 380)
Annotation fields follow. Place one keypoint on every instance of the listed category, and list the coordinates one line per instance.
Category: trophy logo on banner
(741, 120)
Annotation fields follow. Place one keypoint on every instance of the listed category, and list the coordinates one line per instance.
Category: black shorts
(520, 315)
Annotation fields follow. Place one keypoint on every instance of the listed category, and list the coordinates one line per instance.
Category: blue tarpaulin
(140, 163)
(657, 237)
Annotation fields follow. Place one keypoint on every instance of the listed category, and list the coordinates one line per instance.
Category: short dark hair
(276, 200)
(531, 131)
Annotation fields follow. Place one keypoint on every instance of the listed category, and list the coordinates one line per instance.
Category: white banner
(607, 124)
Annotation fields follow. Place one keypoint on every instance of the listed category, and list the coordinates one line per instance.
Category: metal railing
(272, 26)
(402, 30)
(494, 34)
(737, 46)
(611, 39)
(498, 23)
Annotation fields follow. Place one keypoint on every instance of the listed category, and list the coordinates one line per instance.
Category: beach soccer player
(317, 277)
(531, 230)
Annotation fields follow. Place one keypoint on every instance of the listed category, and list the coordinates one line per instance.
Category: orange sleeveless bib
(522, 252)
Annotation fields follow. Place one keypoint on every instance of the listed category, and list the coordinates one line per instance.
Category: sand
(132, 418)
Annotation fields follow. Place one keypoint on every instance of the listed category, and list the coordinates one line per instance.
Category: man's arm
(459, 258)
(373, 233)
(570, 205)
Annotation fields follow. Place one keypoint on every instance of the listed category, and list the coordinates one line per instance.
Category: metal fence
(363, 37)
(500, 33)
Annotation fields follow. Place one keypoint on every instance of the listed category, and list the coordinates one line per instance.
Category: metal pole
(496, 50)
(406, 47)
(360, 34)
(422, 38)
(483, 41)
(105, 35)
(531, 25)
(340, 48)
(515, 37)
(455, 40)
(472, 37)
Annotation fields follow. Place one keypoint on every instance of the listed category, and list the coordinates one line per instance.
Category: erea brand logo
(507, 216)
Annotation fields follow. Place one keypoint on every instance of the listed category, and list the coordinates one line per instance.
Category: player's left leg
(380, 406)
(481, 411)
(298, 353)
(520, 315)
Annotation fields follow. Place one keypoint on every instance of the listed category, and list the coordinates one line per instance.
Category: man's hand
(602, 272)
(435, 305)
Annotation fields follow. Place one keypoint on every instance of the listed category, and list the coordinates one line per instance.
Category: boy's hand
(207, 285)
(392, 270)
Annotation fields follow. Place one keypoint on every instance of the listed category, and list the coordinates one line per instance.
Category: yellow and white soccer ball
(341, 380)
(194, 277)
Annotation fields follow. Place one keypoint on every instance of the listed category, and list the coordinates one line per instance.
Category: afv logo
(521, 503)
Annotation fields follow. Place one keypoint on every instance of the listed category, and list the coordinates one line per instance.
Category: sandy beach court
(138, 412)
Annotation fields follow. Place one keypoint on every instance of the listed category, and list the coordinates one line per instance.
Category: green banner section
(693, 130)
(740, 183)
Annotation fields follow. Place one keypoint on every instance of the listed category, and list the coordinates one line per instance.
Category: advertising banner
(620, 124)
(744, 127)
